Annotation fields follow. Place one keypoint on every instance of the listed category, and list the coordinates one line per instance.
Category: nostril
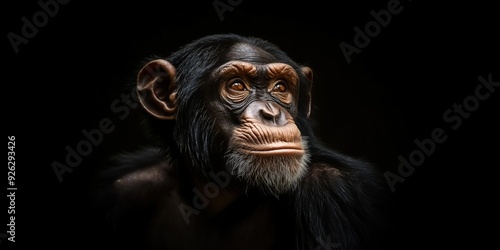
(268, 114)
(271, 114)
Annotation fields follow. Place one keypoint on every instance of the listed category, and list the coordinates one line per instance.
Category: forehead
(249, 53)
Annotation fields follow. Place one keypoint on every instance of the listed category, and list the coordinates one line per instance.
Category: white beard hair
(273, 175)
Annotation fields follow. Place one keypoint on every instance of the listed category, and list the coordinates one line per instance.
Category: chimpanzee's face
(266, 149)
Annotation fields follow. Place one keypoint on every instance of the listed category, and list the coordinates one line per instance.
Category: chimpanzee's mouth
(273, 149)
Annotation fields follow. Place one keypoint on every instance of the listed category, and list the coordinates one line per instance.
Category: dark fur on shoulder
(340, 204)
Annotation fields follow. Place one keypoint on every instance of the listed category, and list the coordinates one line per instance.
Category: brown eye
(237, 86)
(279, 87)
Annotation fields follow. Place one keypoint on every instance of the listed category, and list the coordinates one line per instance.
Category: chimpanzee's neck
(217, 197)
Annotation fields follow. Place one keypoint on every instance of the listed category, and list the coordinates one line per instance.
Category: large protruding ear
(157, 90)
(309, 74)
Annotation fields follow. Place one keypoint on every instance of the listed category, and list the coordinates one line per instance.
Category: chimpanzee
(237, 165)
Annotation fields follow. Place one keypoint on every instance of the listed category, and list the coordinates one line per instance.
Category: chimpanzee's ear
(157, 90)
(309, 74)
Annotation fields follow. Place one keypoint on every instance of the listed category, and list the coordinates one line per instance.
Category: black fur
(337, 205)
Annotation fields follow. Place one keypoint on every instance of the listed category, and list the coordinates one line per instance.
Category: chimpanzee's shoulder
(139, 176)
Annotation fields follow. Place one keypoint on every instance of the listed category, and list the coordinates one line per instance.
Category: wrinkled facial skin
(266, 149)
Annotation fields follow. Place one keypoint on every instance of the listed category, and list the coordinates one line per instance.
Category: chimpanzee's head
(239, 104)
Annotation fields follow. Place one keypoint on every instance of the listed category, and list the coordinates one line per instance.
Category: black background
(396, 90)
